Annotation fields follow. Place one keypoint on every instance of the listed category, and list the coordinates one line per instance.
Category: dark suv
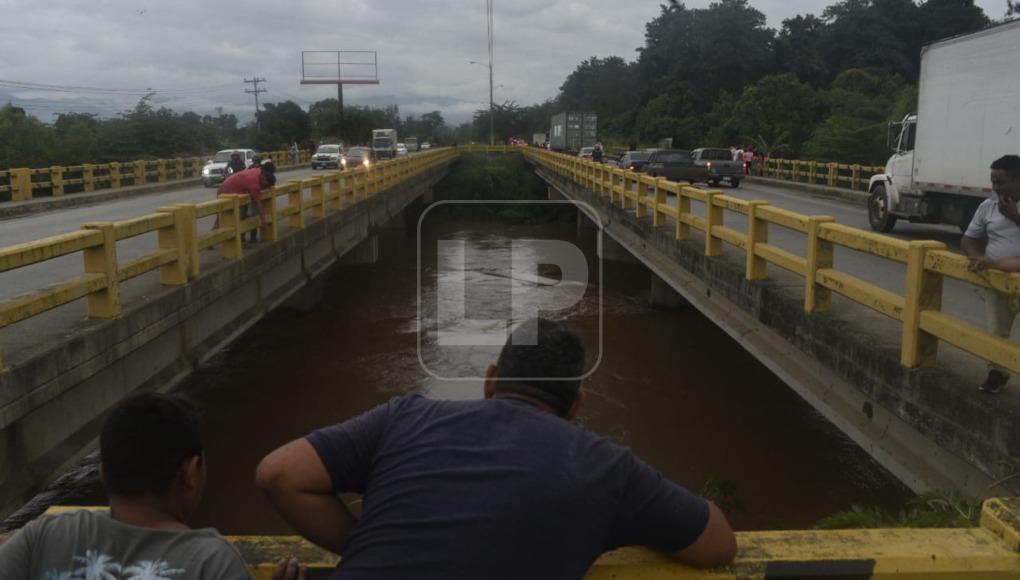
(675, 165)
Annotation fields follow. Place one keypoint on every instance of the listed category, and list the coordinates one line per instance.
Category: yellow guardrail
(24, 183)
(927, 263)
(176, 255)
(852, 176)
(990, 551)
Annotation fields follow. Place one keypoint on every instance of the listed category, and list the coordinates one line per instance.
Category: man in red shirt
(251, 182)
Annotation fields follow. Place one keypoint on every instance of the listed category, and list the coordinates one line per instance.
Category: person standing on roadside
(748, 160)
(993, 241)
(596, 153)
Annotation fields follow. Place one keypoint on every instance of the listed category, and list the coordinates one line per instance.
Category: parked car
(585, 152)
(675, 165)
(215, 170)
(327, 156)
(720, 165)
(426, 145)
(356, 156)
(401, 149)
(634, 160)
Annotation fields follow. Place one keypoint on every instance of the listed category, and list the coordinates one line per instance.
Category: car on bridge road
(215, 170)
(356, 156)
(675, 165)
(720, 165)
(401, 150)
(327, 156)
(634, 160)
(585, 152)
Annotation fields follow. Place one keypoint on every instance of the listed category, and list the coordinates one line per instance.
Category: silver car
(327, 156)
(215, 170)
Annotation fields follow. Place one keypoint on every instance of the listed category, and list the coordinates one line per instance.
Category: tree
(774, 106)
(24, 140)
(282, 124)
(798, 49)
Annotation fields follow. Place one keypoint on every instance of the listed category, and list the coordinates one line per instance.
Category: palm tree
(151, 570)
(96, 566)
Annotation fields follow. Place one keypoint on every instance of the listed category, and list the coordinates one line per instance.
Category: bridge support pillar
(662, 295)
(307, 298)
(367, 252)
(611, 250)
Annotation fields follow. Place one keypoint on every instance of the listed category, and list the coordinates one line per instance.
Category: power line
(255, 91)
(28, 85)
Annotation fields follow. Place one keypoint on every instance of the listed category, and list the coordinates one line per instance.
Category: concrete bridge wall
(62, 394)
(922, 424)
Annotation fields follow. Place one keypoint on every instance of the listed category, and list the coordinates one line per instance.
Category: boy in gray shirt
(154, 472)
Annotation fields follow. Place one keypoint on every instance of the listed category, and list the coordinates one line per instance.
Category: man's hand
(290, 569)
(1007, 206)
(979, 263)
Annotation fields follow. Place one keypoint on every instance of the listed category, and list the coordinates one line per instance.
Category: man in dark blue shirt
(504, 487)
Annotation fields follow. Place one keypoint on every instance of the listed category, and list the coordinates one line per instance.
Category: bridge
(825, 331)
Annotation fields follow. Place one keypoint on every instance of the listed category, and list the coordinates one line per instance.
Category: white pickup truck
(968, 116)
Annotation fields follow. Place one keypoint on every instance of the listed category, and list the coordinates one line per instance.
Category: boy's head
(151, 447)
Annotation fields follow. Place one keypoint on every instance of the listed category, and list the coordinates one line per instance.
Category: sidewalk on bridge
(856, 197)
(16, 209)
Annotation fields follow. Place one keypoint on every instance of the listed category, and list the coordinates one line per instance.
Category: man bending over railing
(503, 487)
(251, 182)
(993, 241)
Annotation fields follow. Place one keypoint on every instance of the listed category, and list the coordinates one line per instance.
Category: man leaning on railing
(993, 241)
(251, 182)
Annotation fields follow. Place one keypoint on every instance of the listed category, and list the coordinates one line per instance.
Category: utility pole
(255, 90)
(492, 107)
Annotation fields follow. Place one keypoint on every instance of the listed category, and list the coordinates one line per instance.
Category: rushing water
(669, 384)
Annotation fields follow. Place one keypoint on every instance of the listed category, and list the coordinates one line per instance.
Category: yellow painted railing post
(103, 260)
(230, 219)
(174, 238)
(639, 205)
(57, 180)
(161, 170)
(658, 216)
(924, 292)
(270, 230)
(683, 209)
(855, 176)
(88, 177)
(713, 218)
(319, 205)
(833, 173)
(335, 193)
(819, 256)
(190, 230)
(140, 178)
(296, 199)
(179, 169)
(196, 166)
(114, 175)
(757, 233)
(21, 184)
(813, 168)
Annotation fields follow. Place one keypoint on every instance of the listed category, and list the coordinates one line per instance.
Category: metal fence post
(819, 256)
(658, 216)
(757, 233)
(174, 238)
(924, 292)
(57, 180)
(103, 260)
(114, 175)
(88, 177)
(713, 218)
(21, 184)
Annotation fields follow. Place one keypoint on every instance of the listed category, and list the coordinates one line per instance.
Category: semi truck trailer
(968, 116)
(570, 131)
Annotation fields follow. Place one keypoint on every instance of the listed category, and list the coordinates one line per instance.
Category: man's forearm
(1006, 264)
(322, 518)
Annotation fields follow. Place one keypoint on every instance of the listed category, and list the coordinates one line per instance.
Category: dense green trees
(820, 87)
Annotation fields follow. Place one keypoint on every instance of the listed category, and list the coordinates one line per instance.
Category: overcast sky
(199, 52)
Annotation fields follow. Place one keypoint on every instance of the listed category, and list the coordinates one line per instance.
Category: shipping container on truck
(570, 131)
(384, 143)
(968, 116)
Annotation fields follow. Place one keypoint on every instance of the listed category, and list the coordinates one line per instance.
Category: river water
(669, 384)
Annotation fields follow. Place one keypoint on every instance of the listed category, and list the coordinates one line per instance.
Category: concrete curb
(859, 198)
(16, 209)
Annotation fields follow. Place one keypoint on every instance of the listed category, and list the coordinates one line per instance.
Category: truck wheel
(879, 216)
(734, 183)
(713, 182)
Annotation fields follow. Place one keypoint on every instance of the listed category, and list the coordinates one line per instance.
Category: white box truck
(384, 143)
(968, 116)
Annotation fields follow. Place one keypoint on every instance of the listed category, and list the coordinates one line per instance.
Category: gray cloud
(199, 51)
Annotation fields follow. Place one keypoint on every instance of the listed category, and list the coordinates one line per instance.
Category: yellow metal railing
(927, 263)
(991, 551)
(852, 176)
(23, 183)
(178, 242)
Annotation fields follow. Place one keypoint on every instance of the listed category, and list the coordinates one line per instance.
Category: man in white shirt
(993, 241)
